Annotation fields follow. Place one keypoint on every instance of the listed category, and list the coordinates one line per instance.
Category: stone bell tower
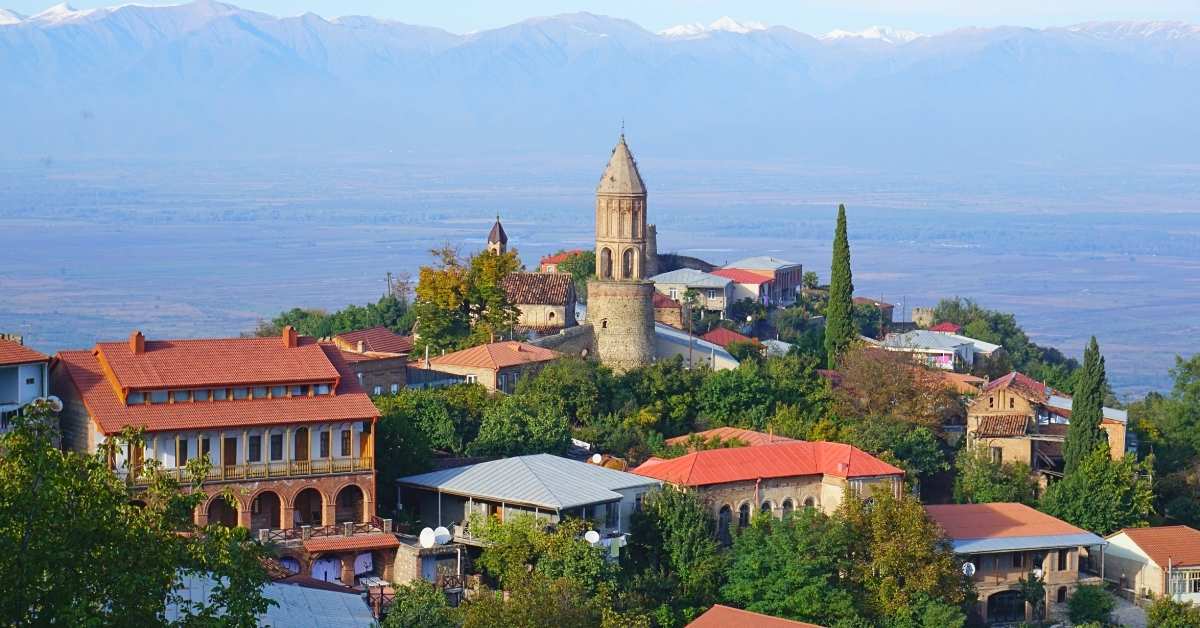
(620, 300)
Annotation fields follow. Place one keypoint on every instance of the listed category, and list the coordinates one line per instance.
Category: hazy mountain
(212, 79)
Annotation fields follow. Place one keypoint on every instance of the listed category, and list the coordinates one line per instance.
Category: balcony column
(368, 509)
(200, 515)
(287, 444)
(328, 509)
(348, 569)
(244, 514)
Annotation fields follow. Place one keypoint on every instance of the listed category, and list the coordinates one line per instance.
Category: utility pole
(389, 283)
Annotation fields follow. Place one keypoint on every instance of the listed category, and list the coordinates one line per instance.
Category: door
(229, 451)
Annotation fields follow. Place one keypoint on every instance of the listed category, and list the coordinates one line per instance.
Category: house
(1005, 542)
(713, 293)
(666, 311)
(786, 277)
(774, 478)
(886, 311)
(497, 366)
(940, 351)
(541, 485)
(23, 378)
(379, 357)
(549, 263)
(748, 438)
(695, 352)
(1020, 419)
(546, 300)
(723, 337)
(720, 616)
(946, 328)
(747, 285)
(1153, 562)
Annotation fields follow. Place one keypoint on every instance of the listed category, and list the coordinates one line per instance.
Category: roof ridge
(538, 477)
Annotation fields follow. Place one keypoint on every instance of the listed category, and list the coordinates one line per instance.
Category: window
(471, 379)
(205, 446)
(378, 390)
(200, 395)
(321, 389)
(997, 455)
(395, 388)
(673, 293)
(276, 446)
(502, 382)
(278, 391)
(218, 394)
(241, 393)
(637, 503)
(1061, 596)
(136, 398)
(766, 507)
(299, 391)
(788, 507)
(345, 442)
(260, 392)
(181, 452)
(1012, 403)
(712, 293)
(1062, 560)
(743, 515)
(255, 448)
(158, 396)
(324, 439)
(1017, 559)
(550, 316)
(809, 503)
(181, 395)
(991, 402)
(29, 381)
(612, 515)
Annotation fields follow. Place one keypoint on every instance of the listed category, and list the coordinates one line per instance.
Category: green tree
(401, 448)
(666, 392)
(810, 279)
(868, 320)
(512, 427)
(513, 547)
(536, 601)
(739, 397)
(981, 480)
(419, 603)
(1087, 410)
(1102, 495)
(460, 303)
(743, 350)
(76, 551)
(792, 568)
(581, 390)
(1169, 426)
(1165, 612)
(1033, 590)
(581, 266)
(1090, 603)
(916, 449)
(839, 323)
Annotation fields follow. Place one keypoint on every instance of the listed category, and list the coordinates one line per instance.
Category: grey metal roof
(1017, 543)
(777, 347)
(980, 346)
(692, 277)
(295, 605)
(675, 336)
(1112, 414)
(923, 339)
(761, 262)
(539, 480)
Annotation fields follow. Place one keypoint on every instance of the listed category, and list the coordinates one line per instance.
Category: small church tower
(497, 241)
(620, 300)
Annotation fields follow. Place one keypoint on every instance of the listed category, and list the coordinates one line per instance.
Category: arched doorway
(221, 512)
(1006, 607)
(327, 568)
(788, 507)
(306, 508)
(724, 519)
(605, 264)
(265, 509)
(290, 563)
(349, 505)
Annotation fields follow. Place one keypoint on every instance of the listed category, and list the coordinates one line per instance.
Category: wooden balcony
(280, 469)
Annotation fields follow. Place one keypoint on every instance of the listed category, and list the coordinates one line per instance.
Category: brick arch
(310, 518)
(283, 508)
(368, 500)
(238, 505)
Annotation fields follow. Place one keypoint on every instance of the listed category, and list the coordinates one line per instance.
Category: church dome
(621, 176)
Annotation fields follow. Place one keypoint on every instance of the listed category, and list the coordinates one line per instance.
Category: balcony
(269, 470)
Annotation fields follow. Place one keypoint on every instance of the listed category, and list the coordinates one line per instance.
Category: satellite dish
(56, 404)
(1037, 573)
(442, 536)
(968, 569)
(427, 538)
(592, 536)
(597, 458)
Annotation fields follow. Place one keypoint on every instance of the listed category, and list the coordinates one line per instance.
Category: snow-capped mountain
(211, 77)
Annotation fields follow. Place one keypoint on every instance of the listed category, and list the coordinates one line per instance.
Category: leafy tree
(792, 568)
(536, 601)
(667, 392)
(1090, 603)
(981, 480)
(581, 390)
(887, 384)
(401, 449)
(810, 279)
(916, 449)
(1033, 590)
(739, 397)
(839, 325)
(419, 603)
(490, 313)
(868, 320)
(391, 311)
(512, 427)
(1165, 612)
(76, 551)
(581, 266)
(1102, 495)
(462, 303)
(1087, 410)
(521, 543)
(743, 350)
(1169, 426)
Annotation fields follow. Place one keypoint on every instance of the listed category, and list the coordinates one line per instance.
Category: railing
(346, 528)
(265, 470)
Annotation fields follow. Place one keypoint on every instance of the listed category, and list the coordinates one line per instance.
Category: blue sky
(813, 16)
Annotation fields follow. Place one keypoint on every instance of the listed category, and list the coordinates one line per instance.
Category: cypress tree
(1087, 410)
(839, 323)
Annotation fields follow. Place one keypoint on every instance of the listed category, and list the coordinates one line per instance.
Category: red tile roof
(1177, 546)
(497, 355)
(1021, 383)
(750, 437)
(992, 521)
(662, 301)
(1005, 425)
(16, 353)
(560, 257)
(378, 339)
(947, 328)
(348, 543)
(722, 337)
(100, 397)
(538, 288)
(778, 460)
(721, 616)
(739, 275)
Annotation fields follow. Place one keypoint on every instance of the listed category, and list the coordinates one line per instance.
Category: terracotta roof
(740, 275)
(1002, 520)
(720, 616)
(961, 382)
(662, 301)
(777, 460)
(538, 288)
(948, 328)
(1021, 383)
(497, 233)
(750, 437)
(204, 362)
(497, 355)
(355, 542)
(16, 353)
(378, 339)
(722, 337)
(1003, 425)
(560, 257)
(1178, 546)
(104, 405)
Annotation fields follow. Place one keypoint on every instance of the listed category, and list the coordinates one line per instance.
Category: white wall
(161, 445)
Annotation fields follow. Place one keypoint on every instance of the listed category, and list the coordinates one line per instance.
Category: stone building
(546, 300)
(497, 241)
(497, 366)
(775, 478)
(378, 356)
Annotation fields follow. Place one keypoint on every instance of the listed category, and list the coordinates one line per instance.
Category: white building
(22, 378)
(1156, 561)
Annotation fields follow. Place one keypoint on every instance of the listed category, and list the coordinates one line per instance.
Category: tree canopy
(1087, 410)
(839, 324)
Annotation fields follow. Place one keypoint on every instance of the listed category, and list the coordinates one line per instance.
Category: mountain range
(207, 78)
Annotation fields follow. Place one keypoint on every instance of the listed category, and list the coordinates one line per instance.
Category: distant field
(93, 250)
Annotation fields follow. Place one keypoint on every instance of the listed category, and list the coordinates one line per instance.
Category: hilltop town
(614, 437)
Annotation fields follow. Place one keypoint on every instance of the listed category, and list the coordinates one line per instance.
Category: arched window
(788, 507)
(628, 264)
(809, 503)
(724, 518)
(766, 507)
(550, 316)
(743, 515)
(605, 263)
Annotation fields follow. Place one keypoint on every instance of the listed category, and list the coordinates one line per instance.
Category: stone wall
(543, 316)
(575, 341)
(383, 373)
(622, 316)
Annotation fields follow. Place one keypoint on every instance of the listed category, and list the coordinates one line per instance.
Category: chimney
(137, 342)
(289, 337)
(361, 344)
